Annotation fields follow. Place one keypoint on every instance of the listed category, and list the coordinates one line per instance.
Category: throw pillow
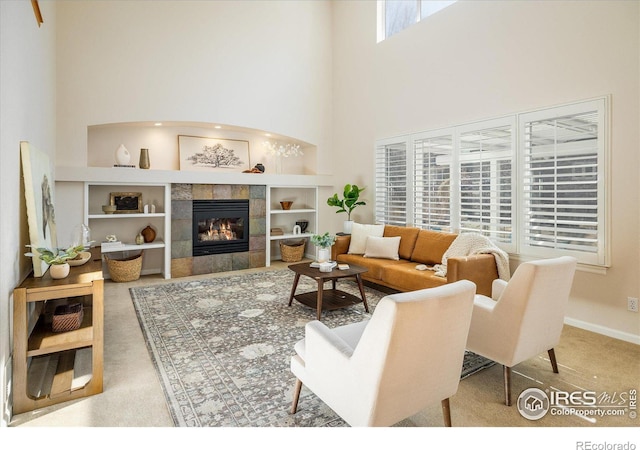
(359, 234)
(382, 247)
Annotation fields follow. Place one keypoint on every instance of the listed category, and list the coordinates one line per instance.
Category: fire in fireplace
(220, 226)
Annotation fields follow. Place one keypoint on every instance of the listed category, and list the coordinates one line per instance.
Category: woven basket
(123, 270)
(67, 317)
(292, 251)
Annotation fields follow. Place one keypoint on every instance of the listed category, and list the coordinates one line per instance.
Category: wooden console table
(36, 347)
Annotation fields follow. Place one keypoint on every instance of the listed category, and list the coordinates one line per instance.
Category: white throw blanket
(474, 244)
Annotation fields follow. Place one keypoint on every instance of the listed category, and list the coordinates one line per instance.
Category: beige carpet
(133, 396)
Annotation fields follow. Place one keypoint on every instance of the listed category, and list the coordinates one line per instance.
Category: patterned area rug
(222, 348)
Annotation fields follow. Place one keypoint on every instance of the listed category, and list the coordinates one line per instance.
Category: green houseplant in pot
(349, 202)
(57, 259)
(323, 242)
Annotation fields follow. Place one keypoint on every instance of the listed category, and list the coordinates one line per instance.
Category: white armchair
(524, 317)
(407, 356)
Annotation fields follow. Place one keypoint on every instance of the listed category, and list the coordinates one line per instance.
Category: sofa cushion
(408, 236)
(408, 278)
(382, 247)
(359, 234)
(375, 266)
(431, 245)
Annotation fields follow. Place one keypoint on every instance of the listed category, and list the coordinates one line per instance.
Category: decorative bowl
(286, 205)
(109, 209)
(79, 260)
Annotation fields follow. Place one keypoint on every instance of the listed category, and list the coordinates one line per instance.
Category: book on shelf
(111, 245)
(276, 232)
(131, 166)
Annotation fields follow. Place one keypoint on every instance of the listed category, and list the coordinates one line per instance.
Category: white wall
(478, 60)
(264, 65)
(260, 64)
(27, 113)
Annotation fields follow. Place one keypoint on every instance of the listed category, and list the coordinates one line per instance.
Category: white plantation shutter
(391, 182)
(432, 180)
(534, 182)
(486, 154)
(563, 182)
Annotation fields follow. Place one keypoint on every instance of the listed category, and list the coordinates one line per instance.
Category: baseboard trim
(599, 329)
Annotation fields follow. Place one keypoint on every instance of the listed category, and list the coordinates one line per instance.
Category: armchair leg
(507, 385)
(446, 412)
(296, 396)
(552, 358)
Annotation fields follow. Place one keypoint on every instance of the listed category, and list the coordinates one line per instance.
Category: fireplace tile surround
(183, 264)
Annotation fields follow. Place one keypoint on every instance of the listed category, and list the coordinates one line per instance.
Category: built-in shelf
(292, 211)
(119, 175)
(290, 236)
(306, 197)
(125, 247)
(124, 216)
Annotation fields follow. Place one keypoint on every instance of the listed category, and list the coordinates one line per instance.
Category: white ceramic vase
(346, 226)
(59, 271)
(324, 254)
(122, 155)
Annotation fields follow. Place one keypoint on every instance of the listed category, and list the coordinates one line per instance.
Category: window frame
(598, 259)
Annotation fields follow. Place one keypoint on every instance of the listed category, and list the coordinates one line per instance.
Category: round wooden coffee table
(328, 299)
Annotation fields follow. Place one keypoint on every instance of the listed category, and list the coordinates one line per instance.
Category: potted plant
(324, 243)
(347, 204)
(57, 259)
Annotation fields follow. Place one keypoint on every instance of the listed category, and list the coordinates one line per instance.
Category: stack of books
(276, 232)
(316, 264)
(110, 245)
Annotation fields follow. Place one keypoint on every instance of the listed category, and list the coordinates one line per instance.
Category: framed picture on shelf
(213, 154)
(126, 202)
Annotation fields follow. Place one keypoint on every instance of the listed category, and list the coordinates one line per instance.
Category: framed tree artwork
(212, 154)
(39, 197)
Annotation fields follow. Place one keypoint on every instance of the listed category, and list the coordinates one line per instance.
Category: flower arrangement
(323, 240)
(57, 255)
(284, 150)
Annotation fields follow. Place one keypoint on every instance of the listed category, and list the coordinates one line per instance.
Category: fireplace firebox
(220, 226)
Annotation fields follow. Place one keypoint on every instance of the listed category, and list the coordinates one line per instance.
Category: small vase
(149, 234)
(144, 159)
(59, 271)
(139, 239)
(324, 254)
(122, 156)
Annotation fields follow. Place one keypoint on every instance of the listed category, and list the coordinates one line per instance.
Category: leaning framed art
(39, 197)
(213, 154)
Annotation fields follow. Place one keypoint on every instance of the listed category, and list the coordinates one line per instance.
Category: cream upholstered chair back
(407, 356)
(532, 307)
(524, 317)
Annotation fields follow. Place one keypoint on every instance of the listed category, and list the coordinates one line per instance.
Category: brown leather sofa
(419, 246)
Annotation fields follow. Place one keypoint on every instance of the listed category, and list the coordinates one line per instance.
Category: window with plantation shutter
(432, 181)
(563, 182)
(533, 182)
(486, 154)
(391, 182)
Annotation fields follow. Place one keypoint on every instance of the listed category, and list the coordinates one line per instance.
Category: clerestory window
(396, 15)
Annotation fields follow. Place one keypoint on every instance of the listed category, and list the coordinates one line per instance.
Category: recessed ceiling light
(267, 134)
(158, 124)
(217, 126)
